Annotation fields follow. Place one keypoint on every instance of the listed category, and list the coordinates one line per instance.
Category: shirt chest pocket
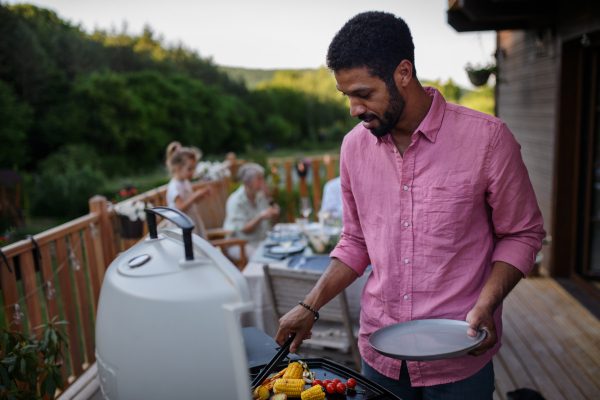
(448, 211)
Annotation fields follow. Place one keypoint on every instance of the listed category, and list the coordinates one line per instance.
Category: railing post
(316, 168)
(98, 206)
(329, 167)
(289, 189)
(232, 165)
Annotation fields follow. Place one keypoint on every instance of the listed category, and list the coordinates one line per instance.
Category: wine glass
(286, 238)
(305, 207)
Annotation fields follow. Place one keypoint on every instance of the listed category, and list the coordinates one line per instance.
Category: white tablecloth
(263, 317)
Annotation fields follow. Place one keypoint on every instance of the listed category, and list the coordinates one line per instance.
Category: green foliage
(16, 119)
(25, 362)
(68, 179)
(480, 100)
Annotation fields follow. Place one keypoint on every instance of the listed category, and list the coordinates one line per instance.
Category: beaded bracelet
(310, 309)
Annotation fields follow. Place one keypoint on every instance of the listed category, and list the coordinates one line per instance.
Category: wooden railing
(64, 277)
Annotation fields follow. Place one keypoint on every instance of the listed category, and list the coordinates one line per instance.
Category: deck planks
(551, 343)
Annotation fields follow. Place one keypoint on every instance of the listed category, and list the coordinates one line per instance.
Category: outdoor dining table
(262, 315)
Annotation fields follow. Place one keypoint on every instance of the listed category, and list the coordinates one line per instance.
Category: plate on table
(427, 339)
(294, 248)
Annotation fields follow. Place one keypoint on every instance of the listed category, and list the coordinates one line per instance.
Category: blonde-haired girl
(181, 161)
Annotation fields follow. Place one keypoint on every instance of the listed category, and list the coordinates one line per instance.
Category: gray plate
(427, 339)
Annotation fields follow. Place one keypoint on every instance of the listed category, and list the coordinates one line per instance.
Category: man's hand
(299, 320)
(268, 213)
(482, 318)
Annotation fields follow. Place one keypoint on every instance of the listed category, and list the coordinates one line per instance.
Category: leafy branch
(26, 361)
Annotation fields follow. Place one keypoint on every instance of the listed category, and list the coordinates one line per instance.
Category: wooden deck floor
(551, 343)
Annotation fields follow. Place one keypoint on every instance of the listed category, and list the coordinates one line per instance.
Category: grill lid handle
(179, 219)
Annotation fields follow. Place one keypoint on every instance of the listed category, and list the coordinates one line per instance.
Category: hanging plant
(480, 75)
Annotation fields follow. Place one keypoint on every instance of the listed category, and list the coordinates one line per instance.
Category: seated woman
(247, 211)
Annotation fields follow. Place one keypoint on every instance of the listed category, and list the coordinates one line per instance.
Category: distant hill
(252, 77)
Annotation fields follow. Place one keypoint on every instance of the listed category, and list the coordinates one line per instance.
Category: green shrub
(67, 180)
(27, 362)
(15, 118)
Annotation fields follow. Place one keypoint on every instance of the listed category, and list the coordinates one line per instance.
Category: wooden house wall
(526, 99)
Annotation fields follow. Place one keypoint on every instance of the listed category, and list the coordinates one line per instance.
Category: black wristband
(309, 308)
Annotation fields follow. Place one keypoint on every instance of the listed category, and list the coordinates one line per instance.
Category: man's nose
(356, 108)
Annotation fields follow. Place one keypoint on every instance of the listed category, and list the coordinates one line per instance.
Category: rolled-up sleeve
(516, 217)
(352, 249)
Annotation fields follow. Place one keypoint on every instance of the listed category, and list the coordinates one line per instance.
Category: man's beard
(392, 113)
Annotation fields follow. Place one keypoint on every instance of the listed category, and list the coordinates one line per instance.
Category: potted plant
(480, 75)
(212, 171)
(131, 218)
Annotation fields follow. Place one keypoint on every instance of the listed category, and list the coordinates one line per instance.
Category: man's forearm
(502, 280)
(337, 277)
(252, 225)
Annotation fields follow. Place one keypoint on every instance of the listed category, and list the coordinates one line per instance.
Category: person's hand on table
(482, 318)
(298, 320)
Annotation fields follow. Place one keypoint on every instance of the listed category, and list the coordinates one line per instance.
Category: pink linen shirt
(431, 224)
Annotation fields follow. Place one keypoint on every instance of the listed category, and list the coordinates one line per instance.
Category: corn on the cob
(293, 371)
(291, 387)
(314, 393)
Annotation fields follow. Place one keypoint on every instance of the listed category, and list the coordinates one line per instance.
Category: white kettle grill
(168, 327)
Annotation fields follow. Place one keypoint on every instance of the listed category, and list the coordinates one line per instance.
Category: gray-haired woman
(248, 212)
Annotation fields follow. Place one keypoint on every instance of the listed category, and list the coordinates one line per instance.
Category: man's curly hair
(373, 39)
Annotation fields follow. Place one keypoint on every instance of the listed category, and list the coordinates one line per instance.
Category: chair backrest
(212, 209)
(286, 287)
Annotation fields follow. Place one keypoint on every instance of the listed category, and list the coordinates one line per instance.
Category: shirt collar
(432, 122)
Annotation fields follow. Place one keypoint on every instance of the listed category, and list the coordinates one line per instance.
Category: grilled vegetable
(291, 387)
(279, 396)
(293, 371)
(314, 393)
(261, 392)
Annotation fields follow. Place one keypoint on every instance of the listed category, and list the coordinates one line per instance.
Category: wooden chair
(212, 212)
(286, 287)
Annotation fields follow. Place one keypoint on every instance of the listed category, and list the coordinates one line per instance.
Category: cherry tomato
(351, 383)
(331, 388)
(341, 388)
(336, 381)
(317, 382)
(326, 382)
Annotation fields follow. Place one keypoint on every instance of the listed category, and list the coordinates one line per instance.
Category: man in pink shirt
(437, 199)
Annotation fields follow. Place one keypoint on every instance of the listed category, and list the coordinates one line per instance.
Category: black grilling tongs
(274, 363)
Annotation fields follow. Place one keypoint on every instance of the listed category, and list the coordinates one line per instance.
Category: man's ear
(403, 74)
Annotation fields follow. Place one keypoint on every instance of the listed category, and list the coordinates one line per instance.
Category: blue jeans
(477, 387)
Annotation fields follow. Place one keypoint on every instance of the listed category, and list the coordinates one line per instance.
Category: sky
(276, 34)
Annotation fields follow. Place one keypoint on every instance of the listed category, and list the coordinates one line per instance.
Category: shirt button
(406, 224)
(406, 260)
(395, 150)
(405, 297)
(405, 187)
